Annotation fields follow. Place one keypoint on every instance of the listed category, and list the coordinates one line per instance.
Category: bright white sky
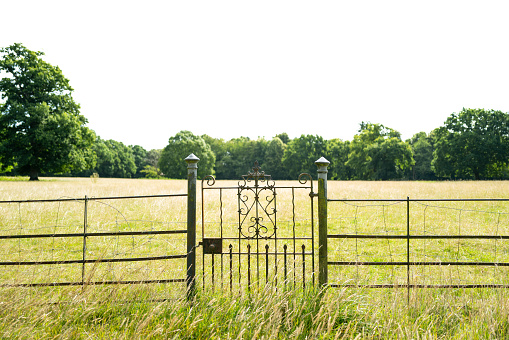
(144, 70)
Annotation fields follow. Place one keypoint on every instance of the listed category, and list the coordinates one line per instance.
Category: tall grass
(162, 311)
(264, 314)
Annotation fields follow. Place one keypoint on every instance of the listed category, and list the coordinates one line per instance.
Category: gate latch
(212, 245)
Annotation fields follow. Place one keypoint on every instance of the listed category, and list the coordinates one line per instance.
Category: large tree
(337, 155)
(473, 143)
(378, 153)
(301, 154)
(172, 162)
(40, 125)
(273, 163)
(236, 157)
(422, 147)
(152, 157)
(151, 164)
(218, 147)
(140, 156)
(114, 159)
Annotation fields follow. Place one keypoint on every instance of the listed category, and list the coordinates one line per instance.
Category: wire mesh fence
(419, 243)
(135, 240)
(93, 241)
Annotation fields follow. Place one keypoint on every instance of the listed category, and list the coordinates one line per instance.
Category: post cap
(322, 162)
(322, 165)
(191, 159)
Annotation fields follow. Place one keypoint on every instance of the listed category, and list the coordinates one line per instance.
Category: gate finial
(257, 175)
(191, 159)
(322, 163)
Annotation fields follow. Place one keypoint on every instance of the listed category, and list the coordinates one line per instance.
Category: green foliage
(114, 159)
(40, 124)
(237, 156)
(140, 156)
(41, 131)
(180, 146)
(337, 154)
(150, 171)
(13, 179)
(389, 159)
(422, 147)
(6, 169)
(472, 144)
(301, 154)
(152, 157)
(150, 165)
(273, 162)
(284, 137)
(218, 147)
(378, 153)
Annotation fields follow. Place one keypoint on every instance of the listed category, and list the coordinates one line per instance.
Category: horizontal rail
(120, 233)
(301, 187)
(420, 237)
(422, 200)
(260, 187)
(416, 263)
(55, 284)
(267, 239)
(135, 259)
(418, 286)
(212, 188)
(264, 253)
(92, 198)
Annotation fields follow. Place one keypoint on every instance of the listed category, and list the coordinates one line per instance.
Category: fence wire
(419, 243)
(77, 241)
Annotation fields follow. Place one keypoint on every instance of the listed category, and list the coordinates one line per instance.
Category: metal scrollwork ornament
(257, 205)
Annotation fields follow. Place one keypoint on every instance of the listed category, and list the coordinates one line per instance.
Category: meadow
(162, 310)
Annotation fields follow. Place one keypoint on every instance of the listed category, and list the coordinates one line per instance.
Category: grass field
(161, 311)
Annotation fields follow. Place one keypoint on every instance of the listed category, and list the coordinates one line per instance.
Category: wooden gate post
(192, 173)
(322, 165)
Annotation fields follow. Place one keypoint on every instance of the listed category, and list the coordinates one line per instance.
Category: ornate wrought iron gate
(252, 242)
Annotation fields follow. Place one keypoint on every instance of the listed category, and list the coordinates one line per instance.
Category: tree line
(470, 145)
(473, 144)
(43, 132)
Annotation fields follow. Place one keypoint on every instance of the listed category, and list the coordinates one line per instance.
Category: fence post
(192, 173)
(322, 165)
(85, 222)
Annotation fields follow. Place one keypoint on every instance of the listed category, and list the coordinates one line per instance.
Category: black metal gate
(251, 242)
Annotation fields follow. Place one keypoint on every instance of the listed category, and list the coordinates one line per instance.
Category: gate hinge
(313, 194)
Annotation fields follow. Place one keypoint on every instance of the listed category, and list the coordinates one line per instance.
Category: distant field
(430, 218)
